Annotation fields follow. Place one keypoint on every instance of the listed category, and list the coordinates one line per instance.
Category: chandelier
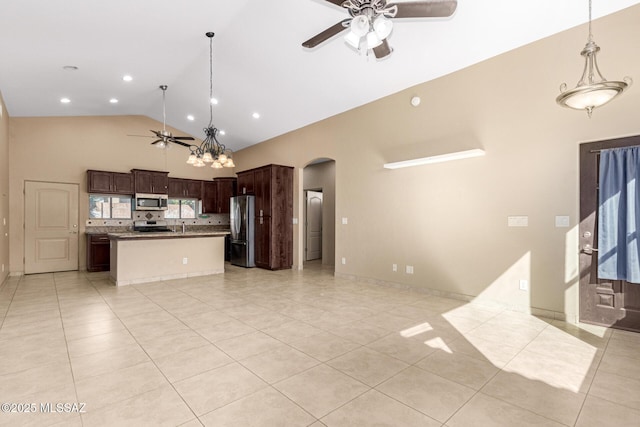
(593, 90)
(211, 150)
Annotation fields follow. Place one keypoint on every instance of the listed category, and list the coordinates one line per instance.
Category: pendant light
(593, 90)
(211, 150)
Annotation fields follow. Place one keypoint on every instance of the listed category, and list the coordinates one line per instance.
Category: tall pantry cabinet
(273, 187)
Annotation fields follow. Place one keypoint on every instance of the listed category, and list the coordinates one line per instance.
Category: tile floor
(260, 348)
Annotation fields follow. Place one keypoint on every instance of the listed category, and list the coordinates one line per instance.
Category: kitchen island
(138, 257)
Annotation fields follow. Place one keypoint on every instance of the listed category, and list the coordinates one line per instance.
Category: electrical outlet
(185, 260)
(344, 260)
(394, 267)
(409, 269)
(524, 284)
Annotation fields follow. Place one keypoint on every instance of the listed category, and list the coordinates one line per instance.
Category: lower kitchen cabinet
(98, 256)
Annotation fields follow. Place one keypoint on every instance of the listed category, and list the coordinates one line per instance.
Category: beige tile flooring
(260, 348)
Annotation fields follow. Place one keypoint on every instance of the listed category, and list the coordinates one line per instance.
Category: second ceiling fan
(370, 23)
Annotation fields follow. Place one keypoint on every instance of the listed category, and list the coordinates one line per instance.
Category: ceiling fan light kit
(211, 150)
(592, 90)
(370, 24)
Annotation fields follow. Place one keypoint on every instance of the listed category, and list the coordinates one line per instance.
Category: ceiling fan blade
(336, 2)
(325, 35)
(187, 138)
(382, 50)
(425, 9)
(155, 142)
(184, 144)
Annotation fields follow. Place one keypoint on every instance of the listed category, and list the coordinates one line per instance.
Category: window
(109, 207)
(182, 208)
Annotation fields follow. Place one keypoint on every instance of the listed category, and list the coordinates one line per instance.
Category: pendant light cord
(590, 35)
(210, 79)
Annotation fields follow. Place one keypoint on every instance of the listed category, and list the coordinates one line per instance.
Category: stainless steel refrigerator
(242, 230)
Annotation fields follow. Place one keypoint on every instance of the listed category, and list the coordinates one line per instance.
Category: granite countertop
(137, 235)
(193, 230)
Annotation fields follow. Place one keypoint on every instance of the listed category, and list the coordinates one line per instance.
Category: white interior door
(314, 225)
(51, 227)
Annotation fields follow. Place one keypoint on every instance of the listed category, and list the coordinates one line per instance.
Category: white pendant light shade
(207, 157)
(373, 40)
(229, 163)
(360, 25)
(383, 27)
(216, 165)
(222, 158)
(192, 159)
(352, 40)
(199, 163)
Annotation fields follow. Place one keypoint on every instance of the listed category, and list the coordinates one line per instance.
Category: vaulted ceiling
(259, 64)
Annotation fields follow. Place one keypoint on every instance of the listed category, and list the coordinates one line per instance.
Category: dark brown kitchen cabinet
(150, 182)
(246, 182)
(185, 188)
(216, 195)
(98, 252)
(273, 188)
(102, 182)
(226, 189)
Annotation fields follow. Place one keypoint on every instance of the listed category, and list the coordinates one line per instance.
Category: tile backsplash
(208, 219)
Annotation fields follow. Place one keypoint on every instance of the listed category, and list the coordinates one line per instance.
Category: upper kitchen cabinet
(185, 188)
(150, 182)
(216, 195)
(102, 182)
(246, 182)
(226, 189)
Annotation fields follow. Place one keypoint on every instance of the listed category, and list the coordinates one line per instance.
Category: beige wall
(4, 191)
(61, 149)
(449, 220)
(322, 176)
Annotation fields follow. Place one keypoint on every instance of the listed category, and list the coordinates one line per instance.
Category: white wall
(4, 191)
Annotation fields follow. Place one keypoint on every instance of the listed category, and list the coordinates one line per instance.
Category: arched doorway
(319, 213)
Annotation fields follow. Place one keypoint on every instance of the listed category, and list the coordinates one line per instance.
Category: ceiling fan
(370, 21)
(164, 136)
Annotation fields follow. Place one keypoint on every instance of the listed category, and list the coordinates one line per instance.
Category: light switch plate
(562, 221)
(295, 221)
(345, 221)
(518, 221)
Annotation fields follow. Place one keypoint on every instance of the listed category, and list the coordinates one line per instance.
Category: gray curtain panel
(618, 221)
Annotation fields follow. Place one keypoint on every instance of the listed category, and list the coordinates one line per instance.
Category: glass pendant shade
(207, 157)
(229, 163)
(383, 27)
(216, 165)
(192, 159)
(222, 158)
(593, 90)
(373, 40)
(352, 40)
(360, 25)
(199, 163)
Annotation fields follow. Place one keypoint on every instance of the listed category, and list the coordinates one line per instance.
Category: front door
(613, 303)
(51, 227)
(313, 233)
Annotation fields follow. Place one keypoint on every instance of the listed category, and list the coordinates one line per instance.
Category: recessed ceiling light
(214, 101)
(65, 100)
(127, 78)
(190, 118)
(70, 68)
(222, 132)
(113, 101)
(256, 115)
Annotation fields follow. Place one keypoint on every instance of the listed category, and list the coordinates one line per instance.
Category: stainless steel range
(151, 226)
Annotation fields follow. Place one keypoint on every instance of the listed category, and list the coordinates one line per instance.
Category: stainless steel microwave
(151, 202)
